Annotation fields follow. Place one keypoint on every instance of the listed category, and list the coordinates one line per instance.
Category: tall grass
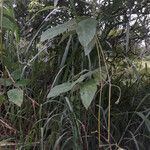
(118, 116)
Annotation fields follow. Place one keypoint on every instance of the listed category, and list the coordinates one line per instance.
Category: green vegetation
(74, 75)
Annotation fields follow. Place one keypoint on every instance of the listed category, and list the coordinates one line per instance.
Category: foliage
(78, 73)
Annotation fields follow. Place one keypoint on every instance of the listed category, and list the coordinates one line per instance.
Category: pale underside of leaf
(67, 86)
(55, 31)
(86, 31)
(59, 89)
(87, 92)
(15, 96)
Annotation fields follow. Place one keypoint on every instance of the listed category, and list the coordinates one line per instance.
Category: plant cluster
(74, 74)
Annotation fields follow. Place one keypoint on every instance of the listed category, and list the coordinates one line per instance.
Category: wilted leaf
(15, 96)
(59, 89)
(86, 31)
(87, 92)
(53, 32)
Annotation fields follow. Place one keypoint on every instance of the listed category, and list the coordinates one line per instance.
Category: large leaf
(15, 96)
(67, 86)
(86, 31)
(53, 32)
(87, 92)
(59, 89)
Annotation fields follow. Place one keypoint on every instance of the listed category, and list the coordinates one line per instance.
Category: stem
(1, 28)
(109, 82)
(99, 110)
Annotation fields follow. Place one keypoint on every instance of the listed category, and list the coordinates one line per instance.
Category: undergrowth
(74, 76)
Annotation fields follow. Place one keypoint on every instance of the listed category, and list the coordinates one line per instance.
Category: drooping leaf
(86, 31)
(65, 87)
(15, 96)
(87, 92)
(59, 89)
(89, 47)
(53, 32)
(55, 2)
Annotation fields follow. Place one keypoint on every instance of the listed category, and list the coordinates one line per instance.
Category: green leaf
(53, 32)
(86, 31)
(2, 99)
(8, 24)
(22, 82)
(59, 89)
(67, 86)
(15, 96)
(5, 82)
(89, 47)
(8, 19)
(87, 92)
(16, 74)
(99, 75)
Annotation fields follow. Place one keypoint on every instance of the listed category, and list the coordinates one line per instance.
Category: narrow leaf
(53, 32)
(59, 89)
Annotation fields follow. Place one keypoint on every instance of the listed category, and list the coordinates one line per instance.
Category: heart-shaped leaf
(86, 31)
(15, 96)
(87, 92)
